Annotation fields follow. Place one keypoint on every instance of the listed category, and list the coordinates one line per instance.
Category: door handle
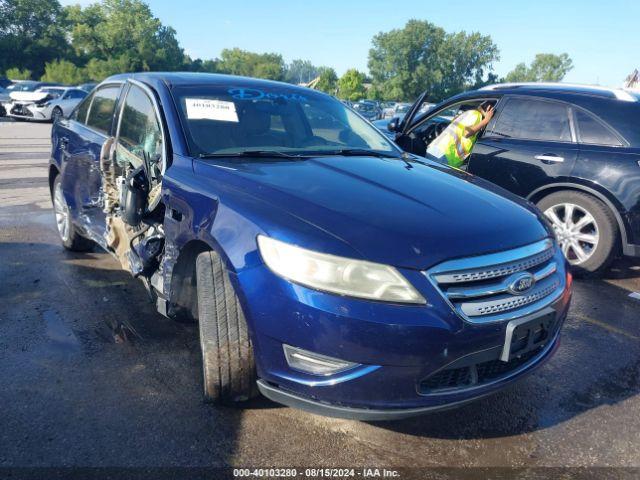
(549, 158)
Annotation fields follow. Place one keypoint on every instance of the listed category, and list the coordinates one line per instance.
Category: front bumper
(275, 393)
(396, 346)
(28, 112)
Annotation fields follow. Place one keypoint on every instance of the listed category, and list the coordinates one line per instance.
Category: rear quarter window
(592, 131)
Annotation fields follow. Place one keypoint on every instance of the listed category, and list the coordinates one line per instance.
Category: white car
(47, 103)
(398, 110)
(4, 98)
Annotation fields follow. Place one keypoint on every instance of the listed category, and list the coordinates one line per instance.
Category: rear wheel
(585, 227)
(69, 236)
(227, 354)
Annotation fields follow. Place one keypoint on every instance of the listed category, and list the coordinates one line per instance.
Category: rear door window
(592, 131)
(102, 108)
(533, 120)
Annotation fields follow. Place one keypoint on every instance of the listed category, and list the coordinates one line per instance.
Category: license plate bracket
(528, 333)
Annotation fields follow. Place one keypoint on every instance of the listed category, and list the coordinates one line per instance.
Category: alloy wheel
(62, 213)
(576, 230)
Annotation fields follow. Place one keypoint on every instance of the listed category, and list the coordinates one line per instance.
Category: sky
(601, 37)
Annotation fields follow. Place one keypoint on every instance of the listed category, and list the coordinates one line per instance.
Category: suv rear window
(102, 107)
(534, 120)
(590, 130)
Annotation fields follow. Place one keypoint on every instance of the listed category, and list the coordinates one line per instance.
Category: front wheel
(228, 364)
(56, 114)
(585, 227)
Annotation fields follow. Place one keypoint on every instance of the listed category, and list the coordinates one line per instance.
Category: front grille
(475, 374)
(486, 288)
(22, 110)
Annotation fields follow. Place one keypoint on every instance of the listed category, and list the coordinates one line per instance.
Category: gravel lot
(77, 393)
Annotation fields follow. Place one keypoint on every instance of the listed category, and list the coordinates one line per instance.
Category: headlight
(344, 276)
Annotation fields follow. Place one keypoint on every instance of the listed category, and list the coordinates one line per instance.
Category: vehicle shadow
(597, 363)
(624, 268)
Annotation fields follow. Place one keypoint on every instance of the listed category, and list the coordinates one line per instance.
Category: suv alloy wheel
(585, 228)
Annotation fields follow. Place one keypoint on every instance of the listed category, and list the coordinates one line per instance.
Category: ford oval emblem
(521, 283)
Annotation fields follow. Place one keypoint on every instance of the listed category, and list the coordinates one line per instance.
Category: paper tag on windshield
(207, 109)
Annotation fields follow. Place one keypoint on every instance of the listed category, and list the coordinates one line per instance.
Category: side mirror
(393, 124)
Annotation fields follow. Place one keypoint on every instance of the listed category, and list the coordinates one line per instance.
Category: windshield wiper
(357, 152)
(253, 153)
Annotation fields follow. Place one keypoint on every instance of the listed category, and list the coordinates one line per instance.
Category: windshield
(228, 119)
(53, 92)
(22, 87)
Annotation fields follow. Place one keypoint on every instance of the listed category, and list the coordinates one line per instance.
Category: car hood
(28, 96)
(408, 214)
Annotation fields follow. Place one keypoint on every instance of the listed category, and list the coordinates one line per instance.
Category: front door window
(140, 140)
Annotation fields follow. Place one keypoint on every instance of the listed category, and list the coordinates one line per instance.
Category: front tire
(69, 236)
(586, 229)
(56, 114)
(228, 364)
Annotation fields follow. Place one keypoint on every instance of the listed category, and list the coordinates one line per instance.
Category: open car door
(415, 109)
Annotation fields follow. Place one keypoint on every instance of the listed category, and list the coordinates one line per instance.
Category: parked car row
(41, 101)
(324, 265)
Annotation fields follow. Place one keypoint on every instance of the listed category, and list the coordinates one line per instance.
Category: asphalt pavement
(77, 391)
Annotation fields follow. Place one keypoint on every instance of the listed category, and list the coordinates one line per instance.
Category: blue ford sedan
(326, 268)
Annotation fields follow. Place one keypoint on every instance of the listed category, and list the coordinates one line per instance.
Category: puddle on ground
(61, 337)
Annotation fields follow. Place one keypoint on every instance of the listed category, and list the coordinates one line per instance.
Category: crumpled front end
(31, 111)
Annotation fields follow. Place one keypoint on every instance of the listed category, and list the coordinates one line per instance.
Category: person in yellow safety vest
(457, 140)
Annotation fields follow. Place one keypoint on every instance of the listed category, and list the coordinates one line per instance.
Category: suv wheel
(228, 365)
(585, 227)
(70, 238)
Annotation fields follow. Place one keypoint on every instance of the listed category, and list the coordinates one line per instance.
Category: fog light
(314, 363)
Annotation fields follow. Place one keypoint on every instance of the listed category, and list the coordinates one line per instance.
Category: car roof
(173, 79)
(558, 87)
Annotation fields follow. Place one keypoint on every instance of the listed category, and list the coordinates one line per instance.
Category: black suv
(572, 150)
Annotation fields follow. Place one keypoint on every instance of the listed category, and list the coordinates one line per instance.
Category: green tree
(422, 56)
(546, 67)
(17, 74)
(122, 35)
(262, 65)
(351, 85)
(63, 71)
(300, 71)
(327, 80)
(32, 32)
(199, 65)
